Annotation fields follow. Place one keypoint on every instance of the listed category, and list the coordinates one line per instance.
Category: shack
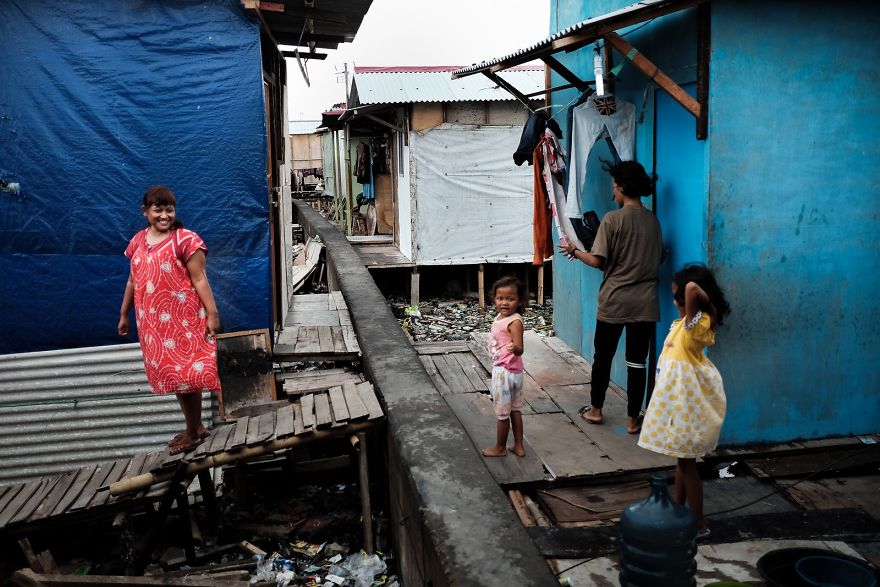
(763, 135)
(428, 172)
(96, 108)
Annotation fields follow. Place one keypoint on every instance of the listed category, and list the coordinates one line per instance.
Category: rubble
(455, 319)
(284, 536)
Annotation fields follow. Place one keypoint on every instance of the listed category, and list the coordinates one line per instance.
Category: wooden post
(481, 286)
(206, 484)
(540, 285)
(414, 287)
(366, 511)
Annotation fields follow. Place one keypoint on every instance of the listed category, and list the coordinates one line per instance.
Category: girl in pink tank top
(506, 348)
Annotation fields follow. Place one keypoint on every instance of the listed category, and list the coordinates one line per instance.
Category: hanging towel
(550, 157)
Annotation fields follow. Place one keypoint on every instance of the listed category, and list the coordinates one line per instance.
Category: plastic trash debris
(335, 579)
(265, 570)
(724, 472)
(284, 578)
(306, 549)
(335, 559)
(412, 311)
(364, 568)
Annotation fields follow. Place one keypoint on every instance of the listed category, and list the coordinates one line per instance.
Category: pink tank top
(499, 338)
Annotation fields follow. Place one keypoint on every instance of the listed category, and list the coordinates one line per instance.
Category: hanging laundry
(360, 167)
(542, 236)
(550, 159)
(588, 124)
(531, 134)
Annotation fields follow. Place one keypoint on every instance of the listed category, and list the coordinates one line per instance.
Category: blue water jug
(658, 541)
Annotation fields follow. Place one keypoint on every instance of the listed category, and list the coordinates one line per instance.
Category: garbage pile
(311, 567)
(284, 535)
(444, 319)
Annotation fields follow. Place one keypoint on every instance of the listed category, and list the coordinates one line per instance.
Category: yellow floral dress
(687, 407)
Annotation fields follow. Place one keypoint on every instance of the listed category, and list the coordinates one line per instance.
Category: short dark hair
(702, 276)
(159, 195)
(512, 280)
(631, 177)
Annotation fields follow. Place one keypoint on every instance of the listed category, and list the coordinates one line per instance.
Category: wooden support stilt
(178, 486)
(414, 287)
(189, 547)
(481, 286)
(206, 483)
(541, 285)
(366, 509)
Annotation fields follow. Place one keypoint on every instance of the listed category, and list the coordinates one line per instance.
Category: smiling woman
(176, 315)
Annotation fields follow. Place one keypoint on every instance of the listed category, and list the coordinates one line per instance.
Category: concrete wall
(451, 523)
(790, 186)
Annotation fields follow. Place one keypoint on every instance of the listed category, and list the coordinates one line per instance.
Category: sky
(418, 32)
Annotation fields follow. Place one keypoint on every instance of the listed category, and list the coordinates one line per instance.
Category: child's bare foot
(591, 414)
(519, 451)
(494, 451)
(633, 426)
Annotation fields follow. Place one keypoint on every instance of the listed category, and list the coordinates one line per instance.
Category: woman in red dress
(176, 316)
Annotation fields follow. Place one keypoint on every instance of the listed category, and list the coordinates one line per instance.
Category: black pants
(638, 338)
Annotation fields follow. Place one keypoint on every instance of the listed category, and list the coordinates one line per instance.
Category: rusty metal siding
(66, 409)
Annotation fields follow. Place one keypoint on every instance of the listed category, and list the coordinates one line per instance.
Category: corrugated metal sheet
(66, 409)
(407, 87)
(626, 14)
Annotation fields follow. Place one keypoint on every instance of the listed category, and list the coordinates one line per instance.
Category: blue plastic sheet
(99, 100)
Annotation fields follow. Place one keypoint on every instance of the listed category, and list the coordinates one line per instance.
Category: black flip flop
(586, 409)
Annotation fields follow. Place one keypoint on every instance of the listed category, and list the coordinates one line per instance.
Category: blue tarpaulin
(99, 100)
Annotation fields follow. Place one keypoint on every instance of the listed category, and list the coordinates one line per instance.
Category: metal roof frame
(605, 27)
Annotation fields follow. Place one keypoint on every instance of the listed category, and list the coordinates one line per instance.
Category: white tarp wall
(470, 202)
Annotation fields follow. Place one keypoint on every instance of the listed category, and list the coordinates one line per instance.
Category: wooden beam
(565, 73)
(384, 122)
(647, 67)
(306, 56)
(703, 56)
(510, 89)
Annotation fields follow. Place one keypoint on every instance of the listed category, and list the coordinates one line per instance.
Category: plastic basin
(829, 571)
(777, 567)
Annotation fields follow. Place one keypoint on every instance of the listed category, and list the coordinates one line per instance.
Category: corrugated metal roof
(302, 127)
(407, 87)
(66, 409)
(626, 16)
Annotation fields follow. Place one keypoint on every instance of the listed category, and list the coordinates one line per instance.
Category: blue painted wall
(794, 204)
(100, 100)
(670, 42)
(790, 220)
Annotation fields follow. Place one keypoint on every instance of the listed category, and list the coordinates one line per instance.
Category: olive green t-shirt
(630, 241)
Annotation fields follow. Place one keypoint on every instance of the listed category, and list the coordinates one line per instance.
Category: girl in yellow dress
(687, 407)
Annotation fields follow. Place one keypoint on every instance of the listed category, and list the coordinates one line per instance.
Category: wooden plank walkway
(86, 489)
(317, 328)
(382, 256)
(559, 444)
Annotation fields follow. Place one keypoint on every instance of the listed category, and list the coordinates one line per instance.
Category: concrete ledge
(451, 522)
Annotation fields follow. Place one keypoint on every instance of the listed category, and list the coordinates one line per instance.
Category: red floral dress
(178, 356)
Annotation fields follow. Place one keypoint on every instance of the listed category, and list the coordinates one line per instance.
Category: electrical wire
(832, 465)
